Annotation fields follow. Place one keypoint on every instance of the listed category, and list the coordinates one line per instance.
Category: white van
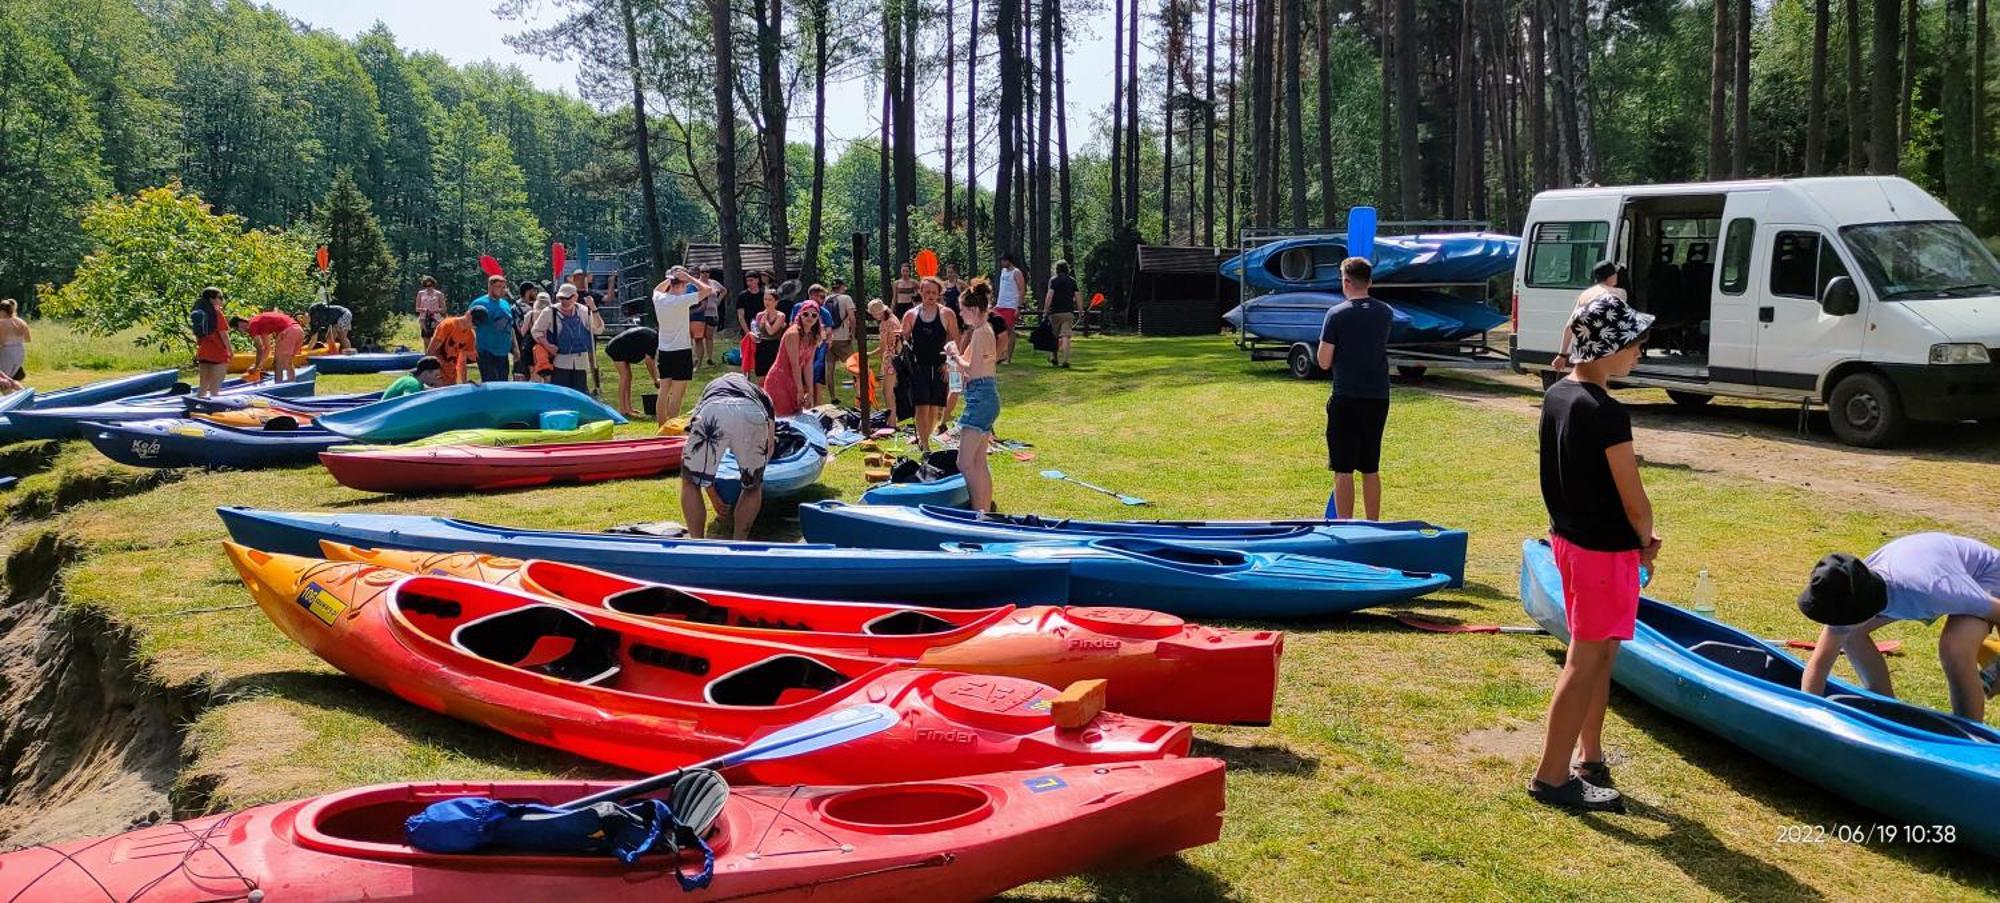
(1862, 294)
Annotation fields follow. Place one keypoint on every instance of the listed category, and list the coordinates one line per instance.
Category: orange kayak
(650, 696)
(1157, 665)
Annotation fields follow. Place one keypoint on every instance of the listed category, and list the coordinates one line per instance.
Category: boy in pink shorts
(1601, 528)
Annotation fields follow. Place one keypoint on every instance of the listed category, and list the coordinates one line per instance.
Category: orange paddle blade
(1097, 300)
(926, 263)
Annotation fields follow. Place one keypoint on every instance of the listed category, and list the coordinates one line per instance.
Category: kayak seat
(1907, 715)
(1748, 660)
(775, 679)
(545, 639)
(667, 602)
(907, 623)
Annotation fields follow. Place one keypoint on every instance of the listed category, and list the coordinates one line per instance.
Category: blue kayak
(1204, 582)
(18, 401)
(49, 422)
(1297, 317)
(109, 389)
(178, 442)
(1913, 764)
(315, 404)
(367, 362)
(780, 569)
(1312, 262)
(801, 455)
(949, 492)
(1402, 545)
(463, 407)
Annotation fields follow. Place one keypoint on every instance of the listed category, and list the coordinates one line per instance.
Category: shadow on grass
(1172, 878)
(1263, 758)
(1688, 844)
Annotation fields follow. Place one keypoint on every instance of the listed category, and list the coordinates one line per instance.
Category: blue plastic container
(560, 420)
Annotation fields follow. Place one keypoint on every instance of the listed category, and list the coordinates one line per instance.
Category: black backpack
(201, 320)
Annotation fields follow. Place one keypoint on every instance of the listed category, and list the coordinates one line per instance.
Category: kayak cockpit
(545, 639)
(778, 680)
(1173, 555)
(1173, 529)
(368, 823)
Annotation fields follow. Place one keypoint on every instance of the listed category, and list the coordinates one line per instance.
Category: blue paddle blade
(1361, 233)
(1055, 474)
(1332, 508)
(831, 729)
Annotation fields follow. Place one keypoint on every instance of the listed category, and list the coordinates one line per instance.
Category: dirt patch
(1513, 742)
(88, 741)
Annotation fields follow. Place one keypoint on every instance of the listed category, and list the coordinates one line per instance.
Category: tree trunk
(771, 94)
(1295, 135)
(1538, 98)
(1385, 122)
(882, 199)
(1208, 138)
(1117, 113)
(1008, 34)
(1979, 216)
(1857, 127)
(1230, 235)
(1044, 165)
(1260, 106)
(1569, 146)
(1957, 108)
(1062, 140)
(1905, 94)
(1167, 140)
(1882, 102)
(1132, 113)
(730, 235)
(906, 128)
(656, 243)
(1739, 152)
(1719, 77)
(1462, 149)
(1329, 199)
(950, 86)
(1815, 163)
(971, 142)
(814, 219)
(1410, 176)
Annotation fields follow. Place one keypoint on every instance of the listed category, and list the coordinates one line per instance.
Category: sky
(466, 31)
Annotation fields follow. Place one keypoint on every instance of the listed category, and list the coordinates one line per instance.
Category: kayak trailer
(1284, 326)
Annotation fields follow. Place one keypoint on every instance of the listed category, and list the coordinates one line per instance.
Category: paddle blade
(1055, 474)
(831, 729)
(1132, 500)
(1097, 300)
(1361, 233)
(321, 258)
(1332, 507)
(926, 263)
(557, 256)
(488, 265)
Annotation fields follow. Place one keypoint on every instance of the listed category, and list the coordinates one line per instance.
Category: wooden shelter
(1181, 290)
(755, 258)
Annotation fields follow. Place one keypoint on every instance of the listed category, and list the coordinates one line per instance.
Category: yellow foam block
(1075, 706)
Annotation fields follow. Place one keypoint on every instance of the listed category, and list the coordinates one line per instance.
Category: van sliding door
(1732, 315)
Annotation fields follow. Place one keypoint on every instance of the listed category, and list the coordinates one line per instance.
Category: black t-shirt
(1358, 330)
(1579, 421)
(1062, 291)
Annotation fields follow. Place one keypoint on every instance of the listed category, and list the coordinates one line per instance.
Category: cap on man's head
(1842, 591)
(567, 291)
(577, 272)
(1604, 326)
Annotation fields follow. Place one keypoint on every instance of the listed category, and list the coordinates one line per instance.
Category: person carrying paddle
(496, 331)
(1354, 344)
(1921, 577)
(904, 291)
(455, 344)
(1601, 530)
(1059, 308)
(276, 333)
(428, 373)
(211, 343)
(928, 328)
(732, 416)
(567, 334)
(982, 398)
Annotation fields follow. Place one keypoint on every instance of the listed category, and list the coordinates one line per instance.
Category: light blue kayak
(109, 389)
(477, 406)
(51, 422)
(1312, 262)
(949, 492)
(800, 457)
(1917, 766)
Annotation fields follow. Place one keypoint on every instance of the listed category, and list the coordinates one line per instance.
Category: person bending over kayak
(455, 343)
(1601, 529)
(732, 416)
(428, 373)
(1921, 577)
(330, 323)
(635, 345)
(1354, 344)
(277, 335)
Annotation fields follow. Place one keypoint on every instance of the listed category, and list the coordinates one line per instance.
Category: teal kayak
(1926, 770)
(506, 405)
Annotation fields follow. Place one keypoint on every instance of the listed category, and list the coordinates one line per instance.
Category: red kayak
(650, 696)
(1157, 665)
(964, 839)
(464, 468)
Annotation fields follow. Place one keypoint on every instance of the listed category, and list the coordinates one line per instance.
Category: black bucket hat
(1843, 592)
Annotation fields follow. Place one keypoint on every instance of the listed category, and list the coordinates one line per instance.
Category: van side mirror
(1840, 298)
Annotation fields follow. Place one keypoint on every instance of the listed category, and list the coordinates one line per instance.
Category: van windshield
(1915, 261)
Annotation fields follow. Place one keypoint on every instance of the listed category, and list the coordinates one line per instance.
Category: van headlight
(1960, 353)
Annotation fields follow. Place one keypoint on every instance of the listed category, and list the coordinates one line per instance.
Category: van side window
(1736, 255)
(1795, 264)
(1561, 255)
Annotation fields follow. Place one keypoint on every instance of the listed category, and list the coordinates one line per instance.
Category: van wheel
(1411, 372)
(1302, 363)
(1689, 399)
(1866, 412)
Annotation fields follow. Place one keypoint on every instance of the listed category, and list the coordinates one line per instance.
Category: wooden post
(860, 293)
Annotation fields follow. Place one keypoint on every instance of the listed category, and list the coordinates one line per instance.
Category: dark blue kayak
(1918, 766)
(18, 401)
(1401, 545)
(1312, 262)
(948, 492)
(50, 422)
(109, 389)
(464, 407)
(806, 571)
(314, 404)
(1203, 582)
(367, 362)
(178, 442)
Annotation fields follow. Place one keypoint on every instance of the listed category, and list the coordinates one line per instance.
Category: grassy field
(1395, 766)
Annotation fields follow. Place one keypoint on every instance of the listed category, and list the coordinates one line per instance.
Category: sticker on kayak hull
(323, 605)
(1044, 784)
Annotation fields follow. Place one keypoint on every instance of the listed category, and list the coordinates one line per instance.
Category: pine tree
(364, 273)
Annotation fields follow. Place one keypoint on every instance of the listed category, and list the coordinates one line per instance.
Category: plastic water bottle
(1704, 593)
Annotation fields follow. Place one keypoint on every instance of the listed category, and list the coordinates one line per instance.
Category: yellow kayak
(242, 361)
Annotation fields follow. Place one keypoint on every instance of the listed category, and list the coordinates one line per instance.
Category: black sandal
(1577, 795)
(1595, 773)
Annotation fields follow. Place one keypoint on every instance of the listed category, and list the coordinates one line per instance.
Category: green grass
(1395, 765)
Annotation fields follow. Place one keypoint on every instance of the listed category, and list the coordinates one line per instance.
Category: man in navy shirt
(1354, 344)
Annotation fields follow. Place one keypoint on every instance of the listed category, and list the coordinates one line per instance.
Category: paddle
(1360, 243)
(1121, 497)
(828, 730)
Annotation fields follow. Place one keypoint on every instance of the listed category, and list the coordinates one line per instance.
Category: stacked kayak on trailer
(467, 468)
(959, 839)
(47, 421)
(649, 696)
(1919, 766)
(1401, 545)
(1157, 666)
(815, 571)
